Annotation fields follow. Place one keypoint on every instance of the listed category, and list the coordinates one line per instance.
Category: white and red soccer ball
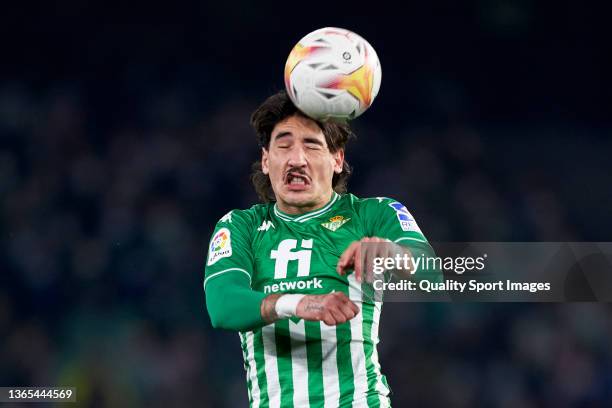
(332, 74)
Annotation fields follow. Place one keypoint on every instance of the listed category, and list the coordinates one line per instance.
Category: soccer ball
(332, 74)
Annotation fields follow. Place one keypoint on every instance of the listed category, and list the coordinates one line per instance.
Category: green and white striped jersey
(297, 363)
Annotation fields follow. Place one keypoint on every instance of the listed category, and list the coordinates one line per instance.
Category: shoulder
(244, 215)
(375, 205)
(244, 221)
(378, 212)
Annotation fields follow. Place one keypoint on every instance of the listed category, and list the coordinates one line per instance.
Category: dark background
(124, 136)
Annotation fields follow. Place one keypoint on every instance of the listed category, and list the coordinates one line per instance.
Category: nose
(297, 156)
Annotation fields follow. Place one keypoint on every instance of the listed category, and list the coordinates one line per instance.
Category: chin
(297, 198)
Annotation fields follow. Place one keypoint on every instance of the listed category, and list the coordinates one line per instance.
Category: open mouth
(297, 180)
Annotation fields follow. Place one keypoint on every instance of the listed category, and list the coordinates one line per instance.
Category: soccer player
(287, 274)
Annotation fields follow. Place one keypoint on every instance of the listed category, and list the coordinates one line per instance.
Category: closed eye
(312, 143)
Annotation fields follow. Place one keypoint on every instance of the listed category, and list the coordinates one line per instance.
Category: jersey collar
(309, 215)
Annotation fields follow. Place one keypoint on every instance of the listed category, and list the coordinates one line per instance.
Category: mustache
(296, 170)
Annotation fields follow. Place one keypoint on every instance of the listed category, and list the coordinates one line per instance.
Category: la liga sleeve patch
(406, 220)
(220, 246)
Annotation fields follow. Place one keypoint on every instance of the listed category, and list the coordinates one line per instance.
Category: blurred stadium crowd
(122, 145)
(104, 236)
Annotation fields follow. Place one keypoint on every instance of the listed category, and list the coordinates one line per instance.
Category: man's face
(300, 165)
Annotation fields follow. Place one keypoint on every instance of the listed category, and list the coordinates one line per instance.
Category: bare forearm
(268, 308)
(333, 308)
(404, 253)
(424, 269)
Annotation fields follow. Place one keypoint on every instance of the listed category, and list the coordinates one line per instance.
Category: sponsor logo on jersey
(220, 246)
(266, 226)
(335, 222)
(314, 283)
(404, 217)
(285, 253)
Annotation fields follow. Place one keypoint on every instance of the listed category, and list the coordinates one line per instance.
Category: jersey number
(284, 254)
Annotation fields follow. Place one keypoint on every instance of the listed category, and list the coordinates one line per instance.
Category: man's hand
(358, 255)
(332, 309)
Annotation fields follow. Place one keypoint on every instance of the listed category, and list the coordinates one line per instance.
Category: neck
(304, 208)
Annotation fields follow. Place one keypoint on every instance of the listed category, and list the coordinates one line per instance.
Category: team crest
(335, 222)
(220, 246)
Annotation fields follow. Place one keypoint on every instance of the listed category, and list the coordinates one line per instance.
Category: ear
(338, 161)
(264, 161)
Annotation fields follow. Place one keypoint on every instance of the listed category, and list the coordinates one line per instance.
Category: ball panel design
(333, 73)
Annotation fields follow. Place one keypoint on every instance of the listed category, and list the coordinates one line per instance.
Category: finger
(346, 258)
(340, 296)
(357, 262)
(369, 252)
(354, 307)
(338, 315)
(363, 256)
(329, 320)
(349, 253)
(383, 251)
(348, 311)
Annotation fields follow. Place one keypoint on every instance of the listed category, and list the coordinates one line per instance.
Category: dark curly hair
(277, 108)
